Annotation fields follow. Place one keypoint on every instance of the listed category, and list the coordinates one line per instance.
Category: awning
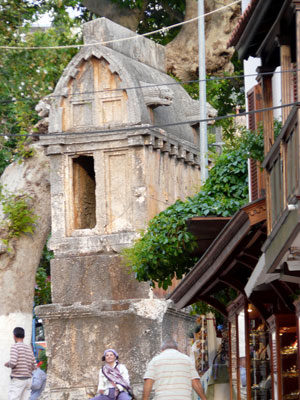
(230, 261)
(205, 229)
(281, 253)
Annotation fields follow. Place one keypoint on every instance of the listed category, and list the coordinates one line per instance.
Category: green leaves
(165, 249)
(18, 215)
(28, 75)
(42, 292)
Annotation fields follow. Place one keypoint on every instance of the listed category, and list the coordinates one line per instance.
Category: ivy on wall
(42, 290)
(165, 249)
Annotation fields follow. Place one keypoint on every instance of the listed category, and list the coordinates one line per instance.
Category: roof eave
(243, 45)
(226, 241)
(186, 289)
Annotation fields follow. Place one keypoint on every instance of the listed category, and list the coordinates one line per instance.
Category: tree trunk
(18, 266)
(121, 15)
(182, 52)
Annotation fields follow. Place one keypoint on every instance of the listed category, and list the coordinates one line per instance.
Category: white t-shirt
(172, 373)
(105, 384)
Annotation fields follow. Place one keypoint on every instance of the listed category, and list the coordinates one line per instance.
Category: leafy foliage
(157, 14)
(19, 217)
(224, 296)
(43, 357)
(165, 249)
(227, 96)
(42, 291)
(28, 75)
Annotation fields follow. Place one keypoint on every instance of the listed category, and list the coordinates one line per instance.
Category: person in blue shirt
(38, 382)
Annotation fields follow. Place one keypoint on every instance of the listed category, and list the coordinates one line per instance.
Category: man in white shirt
(173, 375)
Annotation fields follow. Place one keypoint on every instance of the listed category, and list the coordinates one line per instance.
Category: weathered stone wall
(135, 328)
(93, 278)
(180, 326)
(172, 173)
(137, 175)
(111, 171)
(17, 268)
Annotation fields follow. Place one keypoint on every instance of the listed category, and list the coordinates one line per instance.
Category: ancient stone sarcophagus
(120, 151)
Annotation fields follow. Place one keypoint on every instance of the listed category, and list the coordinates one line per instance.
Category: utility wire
(145, 126)
(163, 30)
(210, 79)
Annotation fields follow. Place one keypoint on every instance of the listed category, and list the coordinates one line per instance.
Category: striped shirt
(172, 373)
(22, 361)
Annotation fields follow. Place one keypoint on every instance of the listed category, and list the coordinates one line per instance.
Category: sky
(46, 19)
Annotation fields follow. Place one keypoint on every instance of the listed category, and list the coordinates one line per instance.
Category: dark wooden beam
(251, 29)
(270, 42)
(259, 234)
(229, 267)
(251, 256)
(208, 266)
(256, 301)
(245, 264)
(214, 303)
(211, 287)
(234, 284)
(284, 297)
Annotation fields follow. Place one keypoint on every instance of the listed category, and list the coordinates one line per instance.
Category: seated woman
(113, 379)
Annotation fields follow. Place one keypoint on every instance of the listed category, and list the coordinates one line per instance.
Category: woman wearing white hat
(113, 379)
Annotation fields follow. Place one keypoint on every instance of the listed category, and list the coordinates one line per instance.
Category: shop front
(250, 353)
(264, 323)
(264, 357)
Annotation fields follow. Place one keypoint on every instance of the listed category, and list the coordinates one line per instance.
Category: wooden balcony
(282, 169)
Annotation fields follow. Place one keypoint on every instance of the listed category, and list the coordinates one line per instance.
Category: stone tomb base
(77, 335)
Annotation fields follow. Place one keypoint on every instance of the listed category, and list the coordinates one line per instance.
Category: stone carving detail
(155, 96)
(43, 109)
(94, 98)
(193, 111)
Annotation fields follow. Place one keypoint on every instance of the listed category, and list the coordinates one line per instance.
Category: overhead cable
(119, 40)
(210, 79)
(146, 126)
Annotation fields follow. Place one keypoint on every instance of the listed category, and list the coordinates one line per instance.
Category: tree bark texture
(182, 51)
(19, 264)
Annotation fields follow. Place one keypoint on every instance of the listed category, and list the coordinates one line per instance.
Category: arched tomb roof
(118, 85)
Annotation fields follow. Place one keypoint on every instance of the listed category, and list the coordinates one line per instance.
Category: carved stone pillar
(111, 171)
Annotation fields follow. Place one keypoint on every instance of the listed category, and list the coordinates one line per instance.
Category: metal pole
(202, 94)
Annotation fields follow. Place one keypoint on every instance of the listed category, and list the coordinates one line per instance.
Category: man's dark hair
(19, 333)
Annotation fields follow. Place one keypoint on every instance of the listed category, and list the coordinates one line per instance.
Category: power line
(210, 79)
(144, 127)
(163, 30)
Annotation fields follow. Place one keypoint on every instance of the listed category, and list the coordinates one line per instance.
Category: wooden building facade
(258, 251)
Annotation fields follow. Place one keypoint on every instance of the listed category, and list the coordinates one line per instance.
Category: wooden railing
(282, 168)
